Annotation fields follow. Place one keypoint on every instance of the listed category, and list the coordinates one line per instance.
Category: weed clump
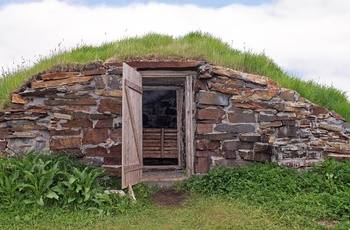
(41, 181)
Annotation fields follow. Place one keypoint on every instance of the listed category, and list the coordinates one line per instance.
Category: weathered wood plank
(152, 137)
(131, 129)
(150, 130)
(189, 126)
(152, 148)
(160, 64)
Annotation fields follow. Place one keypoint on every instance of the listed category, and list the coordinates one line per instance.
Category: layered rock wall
(67, 112)
(239, 118)
(243, 117)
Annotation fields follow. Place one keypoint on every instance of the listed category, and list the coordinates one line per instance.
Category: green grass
(198, 212)
(319, 195)
(194, 46)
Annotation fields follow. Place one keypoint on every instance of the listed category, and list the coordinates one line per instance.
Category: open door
(132, 127)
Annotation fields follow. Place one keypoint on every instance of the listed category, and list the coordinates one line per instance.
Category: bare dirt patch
(168, 197)
(327, 223)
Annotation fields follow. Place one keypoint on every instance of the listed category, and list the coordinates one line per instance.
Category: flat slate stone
(217, 136)
(96, 151)
(210, 114)
(287, 95)
(64, 132)
(45, 84)
(44, 91)
(207, 153)
(235, 128)
(84, 101)
(100, 81)
(236, 145)
(207, 145)
(204, 128)
(108, 123)
(95, 136)
(57, 76)
(222, 71)
(317, 110)
(330, 127)
(111, 93)
(274, 124)
(288, 131)
(249, 105)
(78, 123)
(239, 116)
(250, 137)
(267, 117)
(110, 105)
(261, 147)
(25, 128)
(202, 165)
(213, 98)
(262, 157)
(65, 143)
(18, 99)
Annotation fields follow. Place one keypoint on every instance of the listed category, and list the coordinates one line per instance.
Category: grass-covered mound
(195, 46)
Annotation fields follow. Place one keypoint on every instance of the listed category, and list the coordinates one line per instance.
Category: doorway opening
(161, 127)
(157, 140)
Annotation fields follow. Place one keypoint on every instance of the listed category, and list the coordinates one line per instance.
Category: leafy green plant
(79, 188)
(38, 180)
(8, 182)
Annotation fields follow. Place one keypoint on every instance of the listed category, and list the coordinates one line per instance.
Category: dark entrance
(160, 127)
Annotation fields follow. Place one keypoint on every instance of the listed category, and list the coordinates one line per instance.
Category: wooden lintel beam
(142, 65)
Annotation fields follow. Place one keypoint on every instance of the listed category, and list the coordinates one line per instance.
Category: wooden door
(160, 143)
(131, 127)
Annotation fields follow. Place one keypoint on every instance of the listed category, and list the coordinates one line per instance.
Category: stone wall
(239, 118)
(75, 112)
(243, 117)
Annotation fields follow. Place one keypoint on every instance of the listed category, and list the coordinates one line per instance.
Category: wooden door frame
(189, 125)
(187, 78)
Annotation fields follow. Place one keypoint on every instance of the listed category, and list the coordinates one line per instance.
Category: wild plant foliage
(38, 180)
(322, 192)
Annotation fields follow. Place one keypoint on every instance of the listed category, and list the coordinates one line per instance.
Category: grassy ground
(198, 212)
(55, 192)
(194, 45)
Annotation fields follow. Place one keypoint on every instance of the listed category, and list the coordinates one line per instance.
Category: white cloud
(306, 37)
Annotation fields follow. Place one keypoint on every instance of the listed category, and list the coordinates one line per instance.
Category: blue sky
(309, 38)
